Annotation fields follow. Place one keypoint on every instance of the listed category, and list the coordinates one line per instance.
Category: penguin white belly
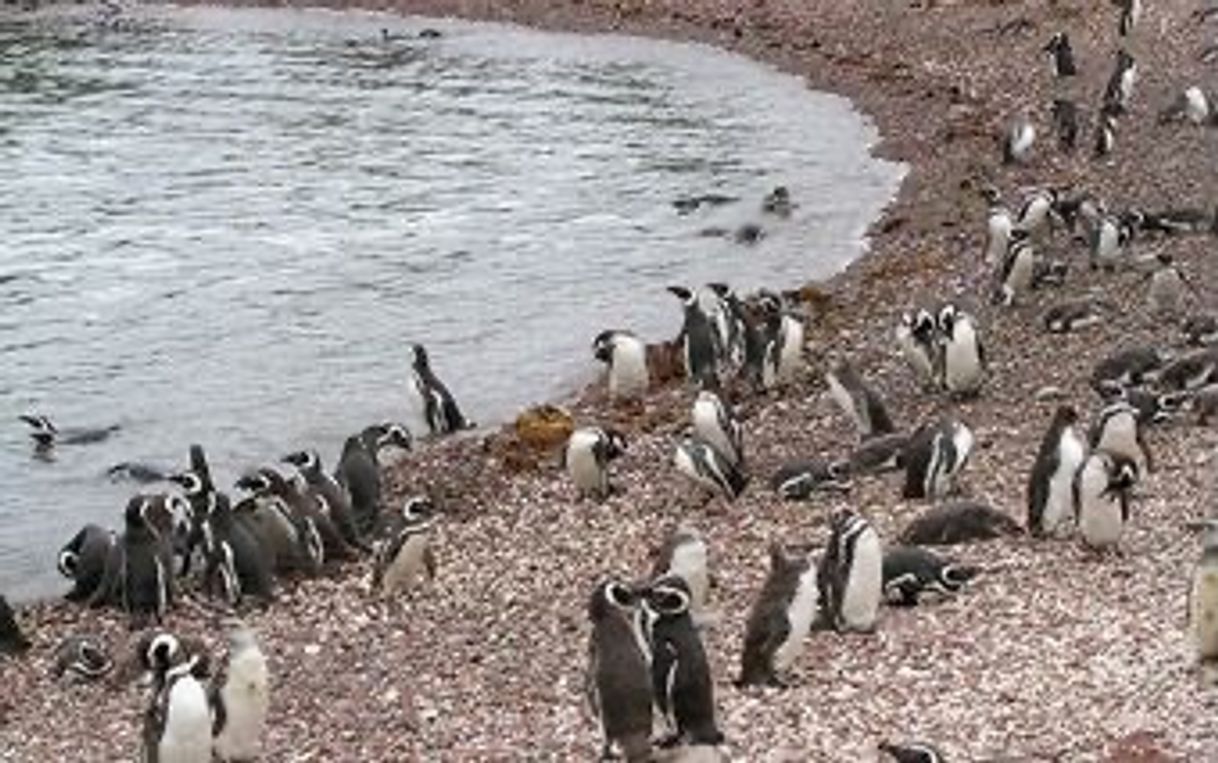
(689, 562)
(1197, 108)
(187, 734)
(407, 567)
(843, 399)
(800, 613)
(1121, 438)
(1108, 248)
(998, 238)
(1059, 504)
(628, 375)
(864, 583)
(585, 472)
(1019, 280)
(246, 699)
(418, 405)
(962, 362)
(791, 356)
(1166, 291)
(1036, 215)
(706, 426)
(1099, 519)
(915, 355)
(1203, 602)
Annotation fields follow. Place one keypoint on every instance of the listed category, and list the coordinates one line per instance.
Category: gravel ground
(1052, 654)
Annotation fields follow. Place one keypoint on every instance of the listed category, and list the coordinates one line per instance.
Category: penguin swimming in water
(680, 675)
(960, 522)
(439, 408)
(1066, 123)
(778, 202)
(12, 640)
(934, 456)
(916, 334)
(178, 722)
(963, 355)
(587, 456)
(407, 556)
(707, 467)
(1101, 498)
(798, 480)
(851, 574)
(240, 698)
(913, 752)
(1116, 431)
(626, 356)
(910, 571)
(619, 686)
(697, 341)
(1019, 140)
(1203, 595)
(685, 555)
(1061, 55)
(359, 472)
(1051, 483)
(1119, 90)
(715, 424)
(859, 401)
(327, 488)
(46, 435)
(146, 578)
(780, 619)
(91, 557)
(81, 659)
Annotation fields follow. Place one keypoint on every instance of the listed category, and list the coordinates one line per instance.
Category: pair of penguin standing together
(944, 350)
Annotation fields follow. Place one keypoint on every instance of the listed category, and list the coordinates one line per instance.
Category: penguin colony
(647, 665)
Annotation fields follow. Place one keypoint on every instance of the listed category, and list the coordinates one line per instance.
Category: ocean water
(227, 226)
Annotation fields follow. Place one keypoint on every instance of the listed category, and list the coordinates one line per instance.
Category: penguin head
(391, 435)
(304, 460)
(615, 443)
(1055, 42)
(1165, 259)
(602, 346)
(421, 362)
(418, 510)
(134, 515)
(39, 422)
(947, 319)
(684, 294)
(67, 564)
(956, 575)
(157, 652)
(1066, 415)
(259, 482)
(668, 596)
(1123, 474)
(191, 484)
(611, 596)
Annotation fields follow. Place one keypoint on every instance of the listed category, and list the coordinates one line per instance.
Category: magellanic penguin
(240, 698)
(879, 454)
(1165, 295)
(1066, 123)
(91, 557)
(960, 522)
(407, 555)
(780, 619)
(1061, 55)
(680, 674)
(1105, 132)
(158, 651)
(963, 356)
(998, 227)
(715, 423)
(337, 498)
(237, 564)
(360, 473)
(910, 571)
(791, 333)
(178, 722)
(933, 457)
(1191, 106)
(1203, 596)
(1019, 140)
(438, 407)
(1070, 316)
(708, 468)
(1101, 498)
(81, 658)
(1109, 242)
(146, 579)
(1051, 483)
(1017, 273)
(798, 480)
(1120, 85)
(697, 341)
(1038, 213)
(275, 493)
(1116, 431)
(619, 671)
(1127, 367)
(626, 356)
(685, 554)
(586, 458)
(12, 640)
(913, 752)
(1190, 371)
(1131, 12)
(730, 325)
(46, 435)
(851, 574)
(859, 401)
(916, 335)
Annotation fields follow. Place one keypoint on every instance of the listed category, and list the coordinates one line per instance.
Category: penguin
(913, 752)
(175, 521)
(178, 723)
(1131, 11)
(762, 347)
(780, 619)
(910, 571)
(778, 202)
(685, 555)
(998, 228)
(619, 671)
(1037, 213)
(587, 456)
(1176, 221)
(1051, 483)
(729, 324)
(962, 359)
(1109, 241)
(790, 343)
(1203, 595)
(86, 559)
(81, 659)
(1191, 106)
(1204, 402)
(798, 480)
(236, 561)
(359, 472)
(240, 698)
(1016, 276)
(859, 401)
(42, 431)
(1116, 431)
(879, 454)
(269, 486)
(1101, 498)
(1191, 370)
(46, 435)
(136, 472)
(1153, 408)
(146, 578)
(1066, 123)
(697, 341)
(159, 651)
(12, 640)
(267, 518)
(715, 424)
(404, 558)
(934, 456)
(1019, 140)
(960, 522)
(1105, 132)
(851, 574)
(439, 408)
(1067, 317)
(916, 336)
(1127, 367)
(1061, 56)
(626, 356)
(1165, 294)
(708, 468)
(680, 674)
(327, 488)
(1201, 329)
(1120, 85)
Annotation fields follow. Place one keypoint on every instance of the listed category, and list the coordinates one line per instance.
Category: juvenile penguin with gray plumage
(685, 554)
(851, 574)
(240, 698)
(780, 619)
(587, 456)
(1051, 483)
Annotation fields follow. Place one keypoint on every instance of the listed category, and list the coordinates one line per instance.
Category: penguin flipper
(429, 562)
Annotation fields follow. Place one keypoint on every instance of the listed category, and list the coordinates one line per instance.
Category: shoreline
(495, 650)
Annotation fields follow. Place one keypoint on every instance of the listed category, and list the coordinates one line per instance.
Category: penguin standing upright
(780, 619)
(1105, 132)
(1019, 140)
(1065, 121)
(1018, 269)
(1101, 498)
(403, 559)
(714, 423)
(933, 457)
(626, 356)
(1119, 90)
(1038, 212)
(359, 472)
(1061, 55)
(1051, 483)
(337, 498)
(310, 523)
(729, 326)
(241, 698)
(12, 640)
(1166, 292)
(1131, 12)
(916, 338)
(708, 468)
(439, 408)
(586, 458)
(685, 555)
(859, 401)
(697, 341)
(791, 334)
(851, 574)
(146, 578)
(1116, 430)
(178, 722)
(680, 675)
(1108, 242)
(998, 227)
(963, 355)
(235, 558)
(1203, 596)
(619, 671)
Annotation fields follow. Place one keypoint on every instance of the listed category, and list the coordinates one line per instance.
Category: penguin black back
(12, 640)
(959, 522)
(440, 409)
(681, 678)
(146, 582)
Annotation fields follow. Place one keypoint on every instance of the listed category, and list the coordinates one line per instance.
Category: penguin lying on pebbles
(91, 557)
(910, 571)
(81, 659)
(879, 454)
(1204, 402)
(1126, 368)
(435, 402)
(1203, 596)
(850, 575)
(933, 458)
(715, 424)
(1051, 483)
(1101, 498)
(707, 467)
(178, 721)
(1201, 329)
(859, 401)
(1189, 371)
(1151, 407)
(586, 459)
(913, 752)
(240, 698)
(12, 640)
(798, 480)
(407, 556)
(1068, 317)
(619, 686)
(780, 619)
(686, 555)
(960, 522)
(626, 356)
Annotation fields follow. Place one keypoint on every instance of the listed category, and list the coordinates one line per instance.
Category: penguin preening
(240, 699)
(1203, 595)
(178, 722)
(12, 640)
(619, 686)
(963, 356)
(959, 522)
(859, 401)
(916, 332)
(933, 457)
(586, 458)
(1101, 498)
(146, 578)
(406, 556)
(797, 480)
(626, 356)
(910, 571)
(438, 407)
(715, 424)
(708, 468)
(851, 574)
(697, 341)
(1051, 483)
(327, 488)
(91, 560)
(685, 554)
(780, 619)
(1061, 55)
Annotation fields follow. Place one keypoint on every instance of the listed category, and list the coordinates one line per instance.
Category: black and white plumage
(798, 480)
(1066, 123)
(1017, 273)
(328, 489)
(619, 687)
(1165, 294)
(586, 458)
(962, 360)
(680, 674)
(960, 522)
(780, 619)
(1203, 594)
(1051, 482)
(910, 571)
(685, 554)
(913, 752)
(12, 640)
(1038, 213)
(1020, 137)
(81, 658)
(715, 423)
(178, 721)
(999, 223)
(1101, 498)
(91, 560)
(698, 342)
(1061, 55)
(437, 405)
(859, 401)
(1119, 90)
(933, 458)
(1131, 12)
(407, 556)
(1153, 407)
(46, 435)
(359, 471)
(708, 468)
(1073, 315)
(879, 454)
(310, 524)
(1190, 106)
(916, 332)
(850, 575)
(1126, 367)
(626, 356)
(1105, 132)
(240, 698)
(729, 325)
(158, 651)
(1189, 371)
(1201, 329)
(237, 565)
(147, 567)
(1117, 431)
(1109, 242)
